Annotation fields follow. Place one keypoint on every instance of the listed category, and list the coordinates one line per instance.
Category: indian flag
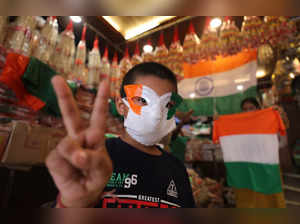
(250, 147)
(220, 85)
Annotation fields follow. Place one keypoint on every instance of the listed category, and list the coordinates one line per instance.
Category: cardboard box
(30, 144)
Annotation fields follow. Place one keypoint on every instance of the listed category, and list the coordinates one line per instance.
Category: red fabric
(14, 69)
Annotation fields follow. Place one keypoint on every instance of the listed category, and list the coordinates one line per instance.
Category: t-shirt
(146, 181)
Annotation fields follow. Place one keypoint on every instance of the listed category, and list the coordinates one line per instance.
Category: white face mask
(149, 124)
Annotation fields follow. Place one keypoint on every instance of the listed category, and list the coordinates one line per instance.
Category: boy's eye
(170, 105)
(140, 101)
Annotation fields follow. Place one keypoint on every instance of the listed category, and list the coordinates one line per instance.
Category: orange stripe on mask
(132, 91)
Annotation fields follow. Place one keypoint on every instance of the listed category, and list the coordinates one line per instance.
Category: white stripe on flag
(223, 84)
(260, 148)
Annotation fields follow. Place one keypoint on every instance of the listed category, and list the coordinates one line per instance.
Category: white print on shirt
(131, 181)
(172, 190)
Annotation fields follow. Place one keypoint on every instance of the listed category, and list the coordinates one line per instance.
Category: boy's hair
(251, 100)
(147, 69)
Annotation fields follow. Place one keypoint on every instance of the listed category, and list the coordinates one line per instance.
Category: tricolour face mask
(150, 117)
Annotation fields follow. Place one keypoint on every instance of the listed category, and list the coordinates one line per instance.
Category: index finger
(67, 105)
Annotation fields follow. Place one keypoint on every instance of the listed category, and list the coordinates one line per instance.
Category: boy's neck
(151, 150)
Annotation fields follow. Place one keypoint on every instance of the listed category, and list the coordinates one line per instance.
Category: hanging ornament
(19, 35)
(105, 67)
(253, 32)
(209, 47)
(175, 57)
(80, 59)
(47, 41)
(148, 55)
(114, 76)
(279, 30)
(190, 46)
(125, 64)
(161, 51)
(94, 65)
(230, 38)
(136, 58)
(65, 51)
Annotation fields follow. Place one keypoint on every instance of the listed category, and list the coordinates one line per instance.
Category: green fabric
(262, 178)
(178, 147)
(177, 100)
(37, 81)
(224, 105)
(113, 109)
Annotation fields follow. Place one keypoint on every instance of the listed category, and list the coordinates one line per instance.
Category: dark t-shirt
(142, 180)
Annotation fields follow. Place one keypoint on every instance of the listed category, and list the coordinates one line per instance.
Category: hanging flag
(219, 86)
(250, 148)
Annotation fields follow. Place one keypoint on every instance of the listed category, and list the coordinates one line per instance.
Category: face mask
(150, 117)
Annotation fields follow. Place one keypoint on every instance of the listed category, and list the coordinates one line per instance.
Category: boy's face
(160, 86)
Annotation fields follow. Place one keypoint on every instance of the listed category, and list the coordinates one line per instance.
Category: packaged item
(125, 64)
(105, 66)
(80, 59)
(136, 58)
(175, 57)
(148, 56)
(230, 38)
(209, 47)
(19, 34)
(47, 41)
(63, 58)
(161, 52)
(253, 32)
(114, 77)
(94, 65)
(190, 46)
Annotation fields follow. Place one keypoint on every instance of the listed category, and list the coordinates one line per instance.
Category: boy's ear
(121, 107)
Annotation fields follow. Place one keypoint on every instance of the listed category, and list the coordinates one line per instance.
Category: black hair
(296, 83)
(147, 69)
(251, 100)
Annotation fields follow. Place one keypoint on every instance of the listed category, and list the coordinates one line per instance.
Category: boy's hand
(80, 165)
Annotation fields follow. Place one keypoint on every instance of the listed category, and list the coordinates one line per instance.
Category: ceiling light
(112, 23)
(215, 23)
(260, 74)
(148, 48)
(240, 87)
(292, 75)
(76, 19)
(192, 95)
(141, 29)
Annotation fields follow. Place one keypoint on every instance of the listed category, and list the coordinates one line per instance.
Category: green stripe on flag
(262, 178)
(225, 105)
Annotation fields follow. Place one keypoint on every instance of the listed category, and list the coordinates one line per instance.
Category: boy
(131, 170)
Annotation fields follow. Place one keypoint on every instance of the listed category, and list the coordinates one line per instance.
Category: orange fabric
(267, 121)
(221, 64)
(14, 69)
(131, 92)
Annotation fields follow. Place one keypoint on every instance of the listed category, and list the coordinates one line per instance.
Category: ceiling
(132, 26)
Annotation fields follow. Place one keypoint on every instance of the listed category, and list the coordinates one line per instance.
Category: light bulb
(215, 23)
(148, 48)
(76, 19)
